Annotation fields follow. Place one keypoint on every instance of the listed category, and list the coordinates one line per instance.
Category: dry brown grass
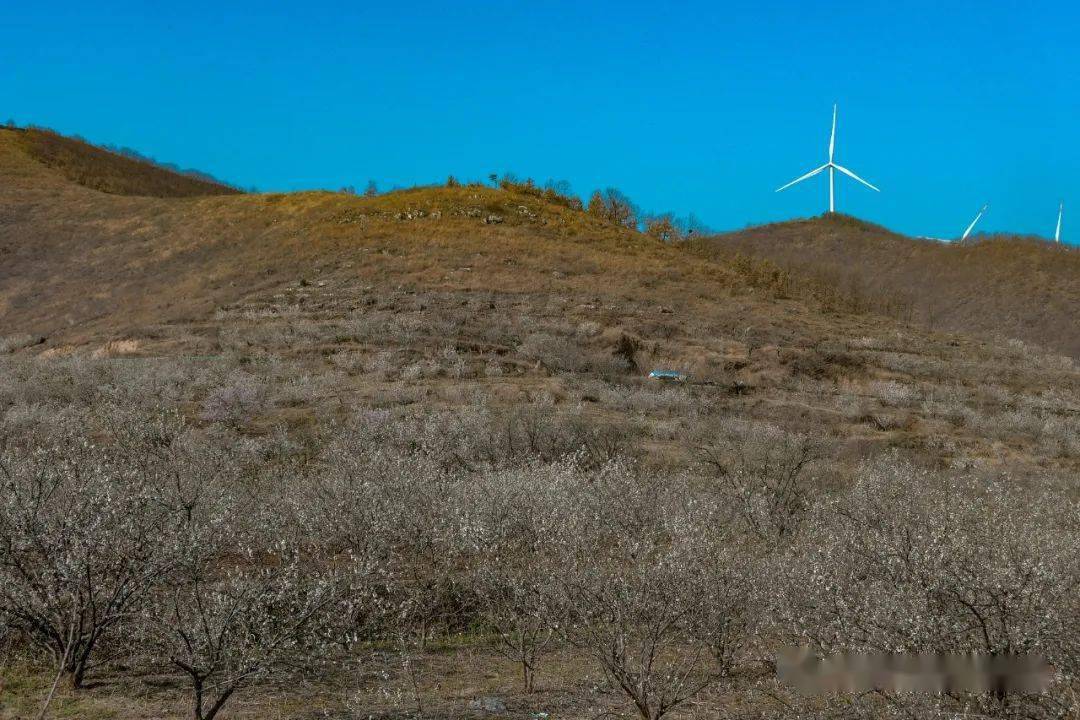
(111, 172)
(1009, 286)
(78, 261)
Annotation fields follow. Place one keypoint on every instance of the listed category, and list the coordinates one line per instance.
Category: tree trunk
(218, 704)
(527, 676)
(77, 675)
(197, 697)
(78, 657)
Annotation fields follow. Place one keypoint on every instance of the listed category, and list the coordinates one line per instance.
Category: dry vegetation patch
(1009, 286)
(113, 172)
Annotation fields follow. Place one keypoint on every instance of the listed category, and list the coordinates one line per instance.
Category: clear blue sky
(697, 107)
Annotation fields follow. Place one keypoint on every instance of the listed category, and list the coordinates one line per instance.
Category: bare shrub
(948, 402)
(384, 327)
(11, 343)
(613, 206)
(534, 433)
(453, 363)
(78, 382)
(227, 627)
(588, 329)
(493, 368)
(638, 625)
(385, 364)
(522, 514)
(625, 352)
(866, 343)
(235, 402)
(765, 473)
(414, 372)
(555, 352)
(651, 399)
(84, 536)
(515, 606)
(894, 394)
(554, 191)
(887, 421)
(1060, 438)
(1039, 356)
(254, 593)
(484, 437)
(663, 227)
(296, 390)
(387, 491)
(635, 596)
(910, 561)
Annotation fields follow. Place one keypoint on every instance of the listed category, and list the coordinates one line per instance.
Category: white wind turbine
(972, 225)
(1057, 230)
(832, 168)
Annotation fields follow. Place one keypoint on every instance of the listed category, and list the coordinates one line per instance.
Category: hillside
(490, 275)
(79, 262)
(414, 435)
(1012, 287)
(108, 171)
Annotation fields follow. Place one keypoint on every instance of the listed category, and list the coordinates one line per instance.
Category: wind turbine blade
(853, 176)
(810, 174)
(832, 138)
(1057, 231)
(972, 225)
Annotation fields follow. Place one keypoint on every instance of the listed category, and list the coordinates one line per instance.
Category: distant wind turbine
(972, 225)
(832, 167)
(1057, 230)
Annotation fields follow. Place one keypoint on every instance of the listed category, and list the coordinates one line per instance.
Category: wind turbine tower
(832, 167)
(972, 225)
(1057, 230)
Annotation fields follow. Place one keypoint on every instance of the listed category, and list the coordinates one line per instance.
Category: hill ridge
(79, 262)
(110, 171)
(1011, 286)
